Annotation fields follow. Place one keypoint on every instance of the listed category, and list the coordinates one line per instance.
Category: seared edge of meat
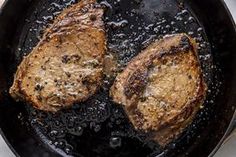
(82, 21)
(129, 88)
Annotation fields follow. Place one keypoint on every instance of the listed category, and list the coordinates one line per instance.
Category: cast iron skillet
(98, 127)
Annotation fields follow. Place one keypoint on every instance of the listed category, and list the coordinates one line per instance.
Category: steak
(66, 66)
(162, 88)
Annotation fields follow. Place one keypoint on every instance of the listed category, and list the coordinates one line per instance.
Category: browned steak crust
(162, 88)
(66, 66)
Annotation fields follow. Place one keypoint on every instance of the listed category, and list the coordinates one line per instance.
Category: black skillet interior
(98, 127)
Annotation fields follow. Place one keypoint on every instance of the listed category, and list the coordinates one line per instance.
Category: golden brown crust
(66, 66)
(162, 88)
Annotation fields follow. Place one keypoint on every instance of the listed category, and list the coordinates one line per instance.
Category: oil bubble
(115, 142)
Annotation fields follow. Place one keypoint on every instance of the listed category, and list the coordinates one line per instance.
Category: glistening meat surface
(162, 88)
(67, 64)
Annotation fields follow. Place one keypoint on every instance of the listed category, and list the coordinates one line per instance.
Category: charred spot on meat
(52, 76)
(162, 88)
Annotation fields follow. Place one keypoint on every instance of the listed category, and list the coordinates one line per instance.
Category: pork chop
(162, 88)
(67, 64)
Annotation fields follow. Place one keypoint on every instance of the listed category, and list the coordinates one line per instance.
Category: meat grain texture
(162, 88)
(67, 64)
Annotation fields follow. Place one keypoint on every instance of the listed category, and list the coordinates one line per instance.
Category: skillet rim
(1, 132)
(231, 126)
(228, 131)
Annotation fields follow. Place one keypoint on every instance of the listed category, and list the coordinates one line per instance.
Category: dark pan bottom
(98, 127)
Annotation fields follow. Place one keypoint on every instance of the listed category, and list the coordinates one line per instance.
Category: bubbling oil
(98, 127)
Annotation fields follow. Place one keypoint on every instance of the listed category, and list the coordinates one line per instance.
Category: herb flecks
(39, 87)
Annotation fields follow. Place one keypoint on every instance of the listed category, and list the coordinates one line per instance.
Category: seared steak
(162, 88)
(66, 66)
